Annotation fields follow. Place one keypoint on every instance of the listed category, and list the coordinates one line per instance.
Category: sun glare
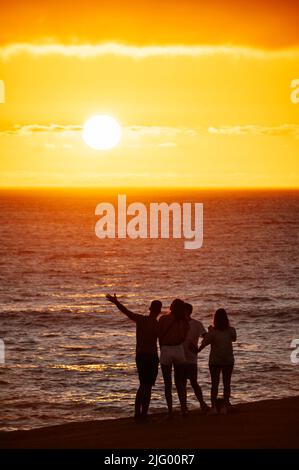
(101, 132)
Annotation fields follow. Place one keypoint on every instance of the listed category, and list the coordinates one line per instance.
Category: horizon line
(145, 188)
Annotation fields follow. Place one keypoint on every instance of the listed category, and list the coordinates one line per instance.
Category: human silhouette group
(178, 335)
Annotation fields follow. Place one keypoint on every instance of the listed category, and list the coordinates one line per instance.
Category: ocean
(69, 354)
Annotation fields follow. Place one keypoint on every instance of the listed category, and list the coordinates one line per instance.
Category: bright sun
(101, 132)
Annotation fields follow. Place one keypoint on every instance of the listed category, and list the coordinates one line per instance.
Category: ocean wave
(25, 252)
(74, 348)
(62, 256)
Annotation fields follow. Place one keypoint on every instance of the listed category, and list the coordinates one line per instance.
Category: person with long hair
(221, 360)
(172, 331)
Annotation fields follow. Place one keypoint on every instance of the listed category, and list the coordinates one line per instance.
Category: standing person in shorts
(196, 330)
(172, 330)
(147, 360)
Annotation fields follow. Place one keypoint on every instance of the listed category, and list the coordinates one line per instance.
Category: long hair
(177, 309)
(221, 321)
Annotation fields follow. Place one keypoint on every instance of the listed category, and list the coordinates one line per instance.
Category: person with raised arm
(147, 360)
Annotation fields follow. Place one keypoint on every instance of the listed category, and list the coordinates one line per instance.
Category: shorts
(147, 367)
(172, 355)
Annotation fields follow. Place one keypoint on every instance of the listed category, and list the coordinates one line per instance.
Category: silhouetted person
(196, 330)
(220, 336)
(147, 360)
(172, 334)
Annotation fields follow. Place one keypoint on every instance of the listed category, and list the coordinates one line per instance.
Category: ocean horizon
(70, 356)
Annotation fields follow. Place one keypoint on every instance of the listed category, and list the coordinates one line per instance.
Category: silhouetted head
(188, 309)
(177, 308)
(155, 307)
(221, 321)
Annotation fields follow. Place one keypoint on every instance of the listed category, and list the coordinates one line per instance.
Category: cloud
(163, 136)
(132, 132)
(85, 51)
(281, 130)
(156, 131)
(133, 136)
(30, 129)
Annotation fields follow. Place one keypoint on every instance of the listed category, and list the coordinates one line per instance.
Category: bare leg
(166, 371)
(180, 382)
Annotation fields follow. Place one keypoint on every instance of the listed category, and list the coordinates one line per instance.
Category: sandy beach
(264, 424)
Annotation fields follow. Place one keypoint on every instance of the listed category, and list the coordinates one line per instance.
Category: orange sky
(202, 93)
(266, 23)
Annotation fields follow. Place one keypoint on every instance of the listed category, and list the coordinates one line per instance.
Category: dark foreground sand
(264, 424)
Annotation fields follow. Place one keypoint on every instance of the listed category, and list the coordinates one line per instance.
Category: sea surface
(69, 354)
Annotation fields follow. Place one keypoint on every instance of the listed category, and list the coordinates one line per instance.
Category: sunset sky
(202, 92)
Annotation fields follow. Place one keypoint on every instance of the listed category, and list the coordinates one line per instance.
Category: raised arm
(114, 300)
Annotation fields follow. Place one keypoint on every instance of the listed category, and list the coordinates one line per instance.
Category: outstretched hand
(111, 298)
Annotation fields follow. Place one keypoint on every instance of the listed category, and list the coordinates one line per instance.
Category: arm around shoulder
(206, 341)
